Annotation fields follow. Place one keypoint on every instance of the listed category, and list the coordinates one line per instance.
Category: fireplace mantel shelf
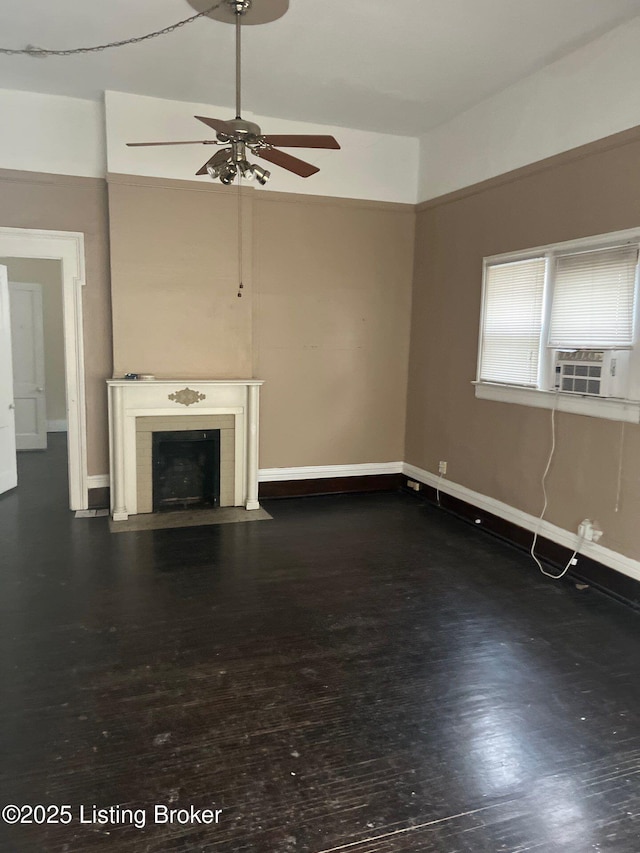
(147, 398)
(146, 382)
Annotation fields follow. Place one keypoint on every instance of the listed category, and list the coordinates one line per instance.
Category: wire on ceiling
(43, 52)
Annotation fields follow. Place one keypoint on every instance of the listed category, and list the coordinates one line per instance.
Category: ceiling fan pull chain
(240, 239)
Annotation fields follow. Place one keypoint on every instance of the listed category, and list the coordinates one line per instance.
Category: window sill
(610, 408)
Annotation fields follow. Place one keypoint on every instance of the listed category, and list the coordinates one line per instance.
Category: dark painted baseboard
(550, 553)
(331, 486)
(99, 498)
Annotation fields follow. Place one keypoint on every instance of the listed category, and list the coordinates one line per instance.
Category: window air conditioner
(600, 373)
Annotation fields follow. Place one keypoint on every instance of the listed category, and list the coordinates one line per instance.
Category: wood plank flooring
(363, 674)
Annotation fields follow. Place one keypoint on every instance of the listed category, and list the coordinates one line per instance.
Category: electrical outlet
(413, 485)
(589, 531)
(442, 468)
(585, 530)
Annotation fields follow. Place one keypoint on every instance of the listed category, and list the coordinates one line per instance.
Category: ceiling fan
(240, 137)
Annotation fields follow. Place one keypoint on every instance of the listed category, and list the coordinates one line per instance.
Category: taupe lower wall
(66, 203)
(332, 314)
(48, 274)
(497, 449)
(324, 317)
(174, 279)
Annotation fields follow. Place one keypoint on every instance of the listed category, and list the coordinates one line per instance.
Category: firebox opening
(186, 469)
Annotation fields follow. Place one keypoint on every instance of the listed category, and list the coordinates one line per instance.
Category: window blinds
(593, 298)
(512, 322)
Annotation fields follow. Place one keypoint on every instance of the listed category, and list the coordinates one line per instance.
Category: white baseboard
(56, 426)
(566, 538)
(98, 481)
(318, 472)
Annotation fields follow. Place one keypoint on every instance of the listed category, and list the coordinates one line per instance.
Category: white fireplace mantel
(131, 399)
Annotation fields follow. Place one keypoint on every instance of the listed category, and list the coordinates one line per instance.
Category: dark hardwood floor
(363, 674)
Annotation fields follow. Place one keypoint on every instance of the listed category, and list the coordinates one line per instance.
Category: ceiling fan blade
(306, 140)
(286, 161)
(218, 125)
(185, 142)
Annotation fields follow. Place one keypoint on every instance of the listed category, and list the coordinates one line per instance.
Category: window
(592, 304)
(512, 322)
(561, 320)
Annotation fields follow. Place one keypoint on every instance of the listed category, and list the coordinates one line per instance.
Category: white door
(8, 470)
(27, 343)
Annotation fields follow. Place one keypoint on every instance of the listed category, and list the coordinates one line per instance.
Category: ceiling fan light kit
(241, 138)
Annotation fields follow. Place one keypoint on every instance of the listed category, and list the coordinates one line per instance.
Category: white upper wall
(592, 93)
(49, 133)
(372, 166)
(71, 136)
(583, 97)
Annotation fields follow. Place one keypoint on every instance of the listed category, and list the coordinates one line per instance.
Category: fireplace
(186, 469)
(138, 410)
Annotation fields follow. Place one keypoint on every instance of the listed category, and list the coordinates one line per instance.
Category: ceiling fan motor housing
(244, 128)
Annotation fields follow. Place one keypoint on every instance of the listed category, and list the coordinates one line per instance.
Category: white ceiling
(396, 66)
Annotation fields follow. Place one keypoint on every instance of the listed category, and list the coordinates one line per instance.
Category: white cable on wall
(546, 501)
(438, 488)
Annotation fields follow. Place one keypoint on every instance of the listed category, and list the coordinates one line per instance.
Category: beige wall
(48, 274)
(174, 262)
(498, 449)
(65, 203)
(332, 308)
(324, 318)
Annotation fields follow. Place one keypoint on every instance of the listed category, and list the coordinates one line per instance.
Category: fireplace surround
(138, 409)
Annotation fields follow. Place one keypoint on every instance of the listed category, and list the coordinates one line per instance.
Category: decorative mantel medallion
(187, 396)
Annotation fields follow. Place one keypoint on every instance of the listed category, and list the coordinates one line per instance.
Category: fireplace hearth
(186, 469)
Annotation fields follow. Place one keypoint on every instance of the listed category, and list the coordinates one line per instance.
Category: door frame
(67, 247)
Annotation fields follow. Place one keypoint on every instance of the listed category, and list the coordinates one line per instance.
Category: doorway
(37, 339)
(66, 251)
